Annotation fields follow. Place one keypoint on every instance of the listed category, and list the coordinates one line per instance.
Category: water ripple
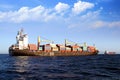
(100, 67)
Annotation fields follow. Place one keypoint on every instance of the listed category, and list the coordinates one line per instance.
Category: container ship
(23, 48)
(109, 53)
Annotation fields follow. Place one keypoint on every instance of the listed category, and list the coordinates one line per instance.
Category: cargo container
(84, 48)
(41, 47)
(58, 45)
(67, 48)
(32, 46)
(53, 45)
(75, 48)
(91, 49)
(54, 48)
(79, 49)
(47, 47)
(61, 47)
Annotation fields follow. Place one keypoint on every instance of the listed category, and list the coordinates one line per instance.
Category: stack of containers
(85, 47)
(47, 48)
(32, 46)
(68, 49)
(61, 47)
(91, 48)
(74, 48)
(41, 47)
(54, 47)
(80, 49)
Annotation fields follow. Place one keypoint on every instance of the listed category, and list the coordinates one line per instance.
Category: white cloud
(114, 24)
(60, 7)
(90, 19)
(83, 21)
(41, 13)
(38, 13)
(98, 24)
(81, 6)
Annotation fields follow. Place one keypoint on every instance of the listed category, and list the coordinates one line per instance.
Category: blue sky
(92, 21)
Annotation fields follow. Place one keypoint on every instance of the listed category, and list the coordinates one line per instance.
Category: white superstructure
(22, 40)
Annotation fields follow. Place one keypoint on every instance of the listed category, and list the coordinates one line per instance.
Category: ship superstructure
(21, 41)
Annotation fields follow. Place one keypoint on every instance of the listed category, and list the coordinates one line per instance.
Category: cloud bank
(71, 15)
(98, 24)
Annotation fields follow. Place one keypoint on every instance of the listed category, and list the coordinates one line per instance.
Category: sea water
(98, 67)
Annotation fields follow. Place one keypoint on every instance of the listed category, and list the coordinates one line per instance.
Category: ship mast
(38, 42)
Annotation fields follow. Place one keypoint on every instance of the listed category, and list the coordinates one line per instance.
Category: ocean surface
(98, 67)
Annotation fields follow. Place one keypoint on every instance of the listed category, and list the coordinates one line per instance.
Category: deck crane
(68, 42)
(43, 40)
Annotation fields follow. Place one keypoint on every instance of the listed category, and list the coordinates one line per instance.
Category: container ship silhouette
(23, 48)
(109, 53)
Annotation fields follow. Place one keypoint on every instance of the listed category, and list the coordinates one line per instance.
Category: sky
(91, 21)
